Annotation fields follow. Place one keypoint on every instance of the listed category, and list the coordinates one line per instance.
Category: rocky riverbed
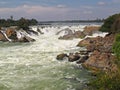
(98, 54)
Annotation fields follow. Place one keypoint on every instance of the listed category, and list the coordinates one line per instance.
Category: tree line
(21, 23)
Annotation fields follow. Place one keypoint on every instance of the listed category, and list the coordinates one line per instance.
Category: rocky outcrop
(11, 34)
(101, 61)
(89, 30)
(76, 34)
(100, 56)
(69, 34)
(102, 44)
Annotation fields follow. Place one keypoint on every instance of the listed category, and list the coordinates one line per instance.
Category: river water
(33, 66)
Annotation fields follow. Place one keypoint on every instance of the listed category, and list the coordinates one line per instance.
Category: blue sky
(46, 10)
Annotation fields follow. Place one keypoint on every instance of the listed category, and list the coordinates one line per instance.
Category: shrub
(107, 26)
(106, 81)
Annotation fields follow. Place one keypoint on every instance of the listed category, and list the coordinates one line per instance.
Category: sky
(54, 10)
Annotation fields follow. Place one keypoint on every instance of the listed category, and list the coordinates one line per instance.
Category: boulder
(73, 57)
(11, 34)
(102, 44)
(89, 30)
(61, 56)
(100, 60)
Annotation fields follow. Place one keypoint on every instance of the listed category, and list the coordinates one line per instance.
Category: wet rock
(89, 30)
(82, 59)
(73, 57)
(11, 34)
(39, 31)
(84, 52)
(66, 31)
(31, 32)
(2, 37)
(61, 56)
(66, 37)
(26, 39)
(79, 34)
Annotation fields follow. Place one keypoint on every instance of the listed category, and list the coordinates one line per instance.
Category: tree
(108, 24)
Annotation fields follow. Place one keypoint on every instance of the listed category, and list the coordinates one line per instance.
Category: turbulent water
(33, 66)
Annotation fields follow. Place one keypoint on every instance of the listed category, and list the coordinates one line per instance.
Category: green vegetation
(21, 23)
(109, 80)
(116, 46)
(108, 24)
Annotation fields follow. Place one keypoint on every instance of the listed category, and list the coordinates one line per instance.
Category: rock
(26, 39)
(79, 34)
(66, 31)
(2, 37)
(84, 52)
(61, 56)
(31, 32)
(98, 43)
(66, 37)
(100, 60)
(11, 34)
(88, 41)
(76, 34)
(73, 57)
(83, 59)
(39, 31)
(89, 30)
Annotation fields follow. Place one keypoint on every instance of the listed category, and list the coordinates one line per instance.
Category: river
(33, 66)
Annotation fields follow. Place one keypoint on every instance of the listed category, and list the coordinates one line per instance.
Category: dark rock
(39, 31)
(31, 32)
(82, 59)
(61, 56)
(73, 57)
(84, 52)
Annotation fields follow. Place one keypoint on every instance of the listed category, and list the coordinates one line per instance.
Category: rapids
(33, 66)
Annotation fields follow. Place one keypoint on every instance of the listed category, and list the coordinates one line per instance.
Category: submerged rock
(61, 56)
(73, 57)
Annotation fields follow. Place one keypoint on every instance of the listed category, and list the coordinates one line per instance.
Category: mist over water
(33, 66)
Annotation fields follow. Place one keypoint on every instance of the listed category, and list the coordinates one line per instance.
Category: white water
(33, 66)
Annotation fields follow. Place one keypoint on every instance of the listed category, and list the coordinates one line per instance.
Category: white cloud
(42, 12)
(101, 3)
(61, 6)
(87, 12)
